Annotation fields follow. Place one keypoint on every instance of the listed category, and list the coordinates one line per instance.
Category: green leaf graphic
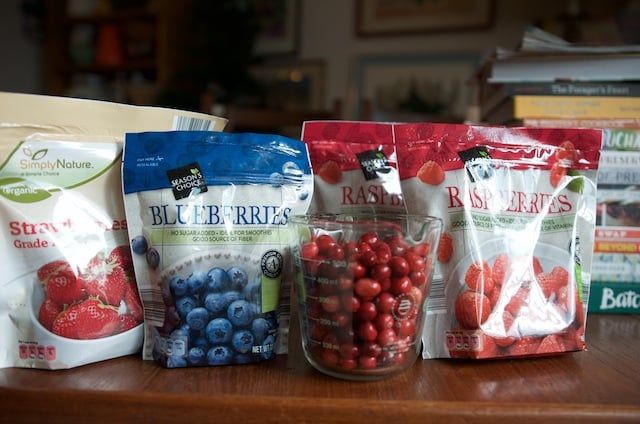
(16, 189)
(194, 171)
(40, 154)
(577, 183)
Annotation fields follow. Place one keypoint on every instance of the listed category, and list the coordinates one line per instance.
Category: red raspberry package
(514, 260)
(354, 166)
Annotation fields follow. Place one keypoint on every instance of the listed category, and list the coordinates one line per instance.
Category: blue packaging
(207, 216)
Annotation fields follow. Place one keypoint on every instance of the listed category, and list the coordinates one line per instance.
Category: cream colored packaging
(61, 203)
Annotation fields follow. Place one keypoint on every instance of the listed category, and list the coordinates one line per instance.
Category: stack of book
(551, 83)
(548, 82)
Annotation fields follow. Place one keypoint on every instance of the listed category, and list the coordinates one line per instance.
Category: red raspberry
(551, 344)
(560, 276)
(330, 172)
(547, 284)
(494, 296)
(500, 268)
(537, 267)
(489, 348)
(557, 173)
(515, 303)
(566, 153)
(478, 277)
(524, 346)
(431, 173)
(507, 319)
(445, 248)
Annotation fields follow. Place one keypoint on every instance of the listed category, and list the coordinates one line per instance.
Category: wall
(21, 69)
(328, 32)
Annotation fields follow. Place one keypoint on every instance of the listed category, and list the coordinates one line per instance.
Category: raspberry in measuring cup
(362, 283)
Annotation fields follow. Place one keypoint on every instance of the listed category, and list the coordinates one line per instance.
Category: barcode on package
(186, 123)
(436, 303)
(153, 306)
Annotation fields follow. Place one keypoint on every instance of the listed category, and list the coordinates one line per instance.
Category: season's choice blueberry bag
(208, 216)
(513, 263)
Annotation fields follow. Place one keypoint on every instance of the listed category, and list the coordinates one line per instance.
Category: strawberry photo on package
(513, 264)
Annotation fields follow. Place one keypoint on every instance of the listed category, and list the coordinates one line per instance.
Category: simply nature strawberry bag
(354, 166)
(514, 260)
(68, 296)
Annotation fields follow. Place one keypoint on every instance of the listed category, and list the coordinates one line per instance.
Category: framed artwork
(416, 87)
(278, 21)
(396, 17)
(292, 85)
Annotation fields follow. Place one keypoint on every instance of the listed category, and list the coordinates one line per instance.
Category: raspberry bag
(518, 205)
(354, 166)
(208, 216)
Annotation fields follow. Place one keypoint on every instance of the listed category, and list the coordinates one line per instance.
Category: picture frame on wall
(278, 22)
(298, 85)
(402, 17)
(413, 87)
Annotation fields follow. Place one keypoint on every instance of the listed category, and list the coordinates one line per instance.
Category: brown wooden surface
(599, 385)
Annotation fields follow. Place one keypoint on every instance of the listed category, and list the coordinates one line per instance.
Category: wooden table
(600, 385)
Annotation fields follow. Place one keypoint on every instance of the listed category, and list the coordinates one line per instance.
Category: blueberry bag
(207, 216)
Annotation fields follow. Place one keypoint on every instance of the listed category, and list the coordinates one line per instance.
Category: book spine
(581, 123)
(573, 89)
(576, 107)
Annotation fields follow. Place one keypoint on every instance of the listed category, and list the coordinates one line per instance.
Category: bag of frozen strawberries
(514, 260)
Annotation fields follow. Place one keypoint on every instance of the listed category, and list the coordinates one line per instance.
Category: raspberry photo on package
(513, 264)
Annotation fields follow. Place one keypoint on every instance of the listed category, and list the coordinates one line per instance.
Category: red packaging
(518, 205)
(354, 165)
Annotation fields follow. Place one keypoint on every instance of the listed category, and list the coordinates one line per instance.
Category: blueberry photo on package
(230, 297)
(219, 331)
(200, 341)
(218, 280)
(178, 286)
(186, 304)
(219, 355)
(242, 341)
(253, 291)
(238, 277)
(139, 245)
(260, 329)
(216, 303)
(153, 258)
(197, 356)
(198, 318)
(197, 282)
(240, 313)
